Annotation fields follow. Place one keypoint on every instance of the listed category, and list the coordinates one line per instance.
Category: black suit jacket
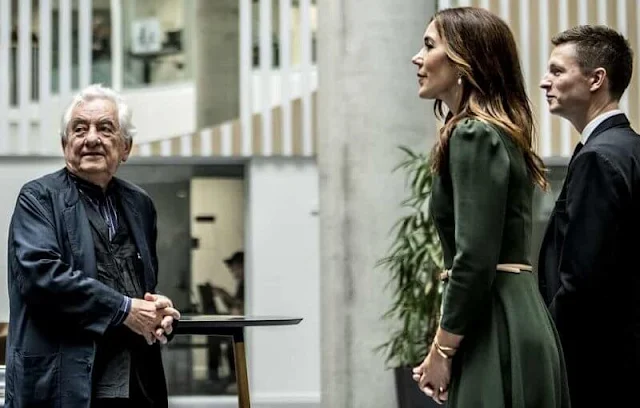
(589, 266)
(57, 306)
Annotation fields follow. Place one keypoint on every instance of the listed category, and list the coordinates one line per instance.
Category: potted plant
(414, 261)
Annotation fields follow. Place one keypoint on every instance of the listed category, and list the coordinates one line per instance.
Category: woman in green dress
(496, 345)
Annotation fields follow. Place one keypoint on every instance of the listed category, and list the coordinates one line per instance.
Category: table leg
(241, 368)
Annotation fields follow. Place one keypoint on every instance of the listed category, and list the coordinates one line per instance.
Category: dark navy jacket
(57, 306)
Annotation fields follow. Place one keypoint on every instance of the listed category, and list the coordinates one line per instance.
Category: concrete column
(216, 61)
(368, 105)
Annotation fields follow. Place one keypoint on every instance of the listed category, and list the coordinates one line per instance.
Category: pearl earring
(459, 80)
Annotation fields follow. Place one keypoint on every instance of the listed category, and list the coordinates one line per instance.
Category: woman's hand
(433, 376)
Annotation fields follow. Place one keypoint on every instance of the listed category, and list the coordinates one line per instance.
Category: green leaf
(413, 262)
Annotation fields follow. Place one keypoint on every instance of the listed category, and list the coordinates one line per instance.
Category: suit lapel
(134, 221)
(619, 120)
(563, 191)
(615, 121)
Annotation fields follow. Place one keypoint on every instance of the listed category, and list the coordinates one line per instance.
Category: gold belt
(509, 267)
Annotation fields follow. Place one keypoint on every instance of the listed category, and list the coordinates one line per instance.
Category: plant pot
(408, 393)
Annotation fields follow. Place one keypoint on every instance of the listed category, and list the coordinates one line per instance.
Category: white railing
(32, 98)
(265, 87)
(28, 110)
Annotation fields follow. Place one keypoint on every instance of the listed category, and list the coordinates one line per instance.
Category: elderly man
(85, 324)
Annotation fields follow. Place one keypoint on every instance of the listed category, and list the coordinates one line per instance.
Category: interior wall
(283, 279)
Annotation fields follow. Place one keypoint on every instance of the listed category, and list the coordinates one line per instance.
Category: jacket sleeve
(479, 169)
(595, 193)
(49, 286)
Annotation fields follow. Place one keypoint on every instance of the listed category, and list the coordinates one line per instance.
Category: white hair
(97, 91)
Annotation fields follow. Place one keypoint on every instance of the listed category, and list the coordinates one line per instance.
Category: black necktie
(579, 146)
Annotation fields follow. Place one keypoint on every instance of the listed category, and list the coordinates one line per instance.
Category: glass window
(295, 23)
(101, 47)
(155, 42)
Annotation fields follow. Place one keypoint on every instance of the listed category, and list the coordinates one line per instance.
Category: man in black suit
(85, 321)
(589, 266)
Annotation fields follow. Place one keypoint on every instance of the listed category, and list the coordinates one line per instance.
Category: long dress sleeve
(479, 168)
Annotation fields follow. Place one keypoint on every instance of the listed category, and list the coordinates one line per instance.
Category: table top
(189, 323)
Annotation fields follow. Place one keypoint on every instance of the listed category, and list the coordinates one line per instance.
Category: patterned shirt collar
(92, 190)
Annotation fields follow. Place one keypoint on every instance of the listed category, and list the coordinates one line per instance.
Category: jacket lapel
(615, 121)
(619, 120)
(134, 220)
(79, 231)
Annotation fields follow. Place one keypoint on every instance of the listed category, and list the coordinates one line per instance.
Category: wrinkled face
(567, 89)
(94, 146)
(437, 75)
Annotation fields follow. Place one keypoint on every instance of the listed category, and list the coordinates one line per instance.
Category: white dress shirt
(591, 126)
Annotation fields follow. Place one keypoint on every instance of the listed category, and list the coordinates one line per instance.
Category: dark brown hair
(601, 47)
(483, 49)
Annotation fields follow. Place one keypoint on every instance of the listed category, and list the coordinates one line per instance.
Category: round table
(231, 326)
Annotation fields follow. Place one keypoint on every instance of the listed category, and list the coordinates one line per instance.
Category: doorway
(200, 221)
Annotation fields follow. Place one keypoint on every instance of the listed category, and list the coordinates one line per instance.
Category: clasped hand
(152, 317)
(433, 376)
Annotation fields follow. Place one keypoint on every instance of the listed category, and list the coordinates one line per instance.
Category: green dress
(481, 205)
